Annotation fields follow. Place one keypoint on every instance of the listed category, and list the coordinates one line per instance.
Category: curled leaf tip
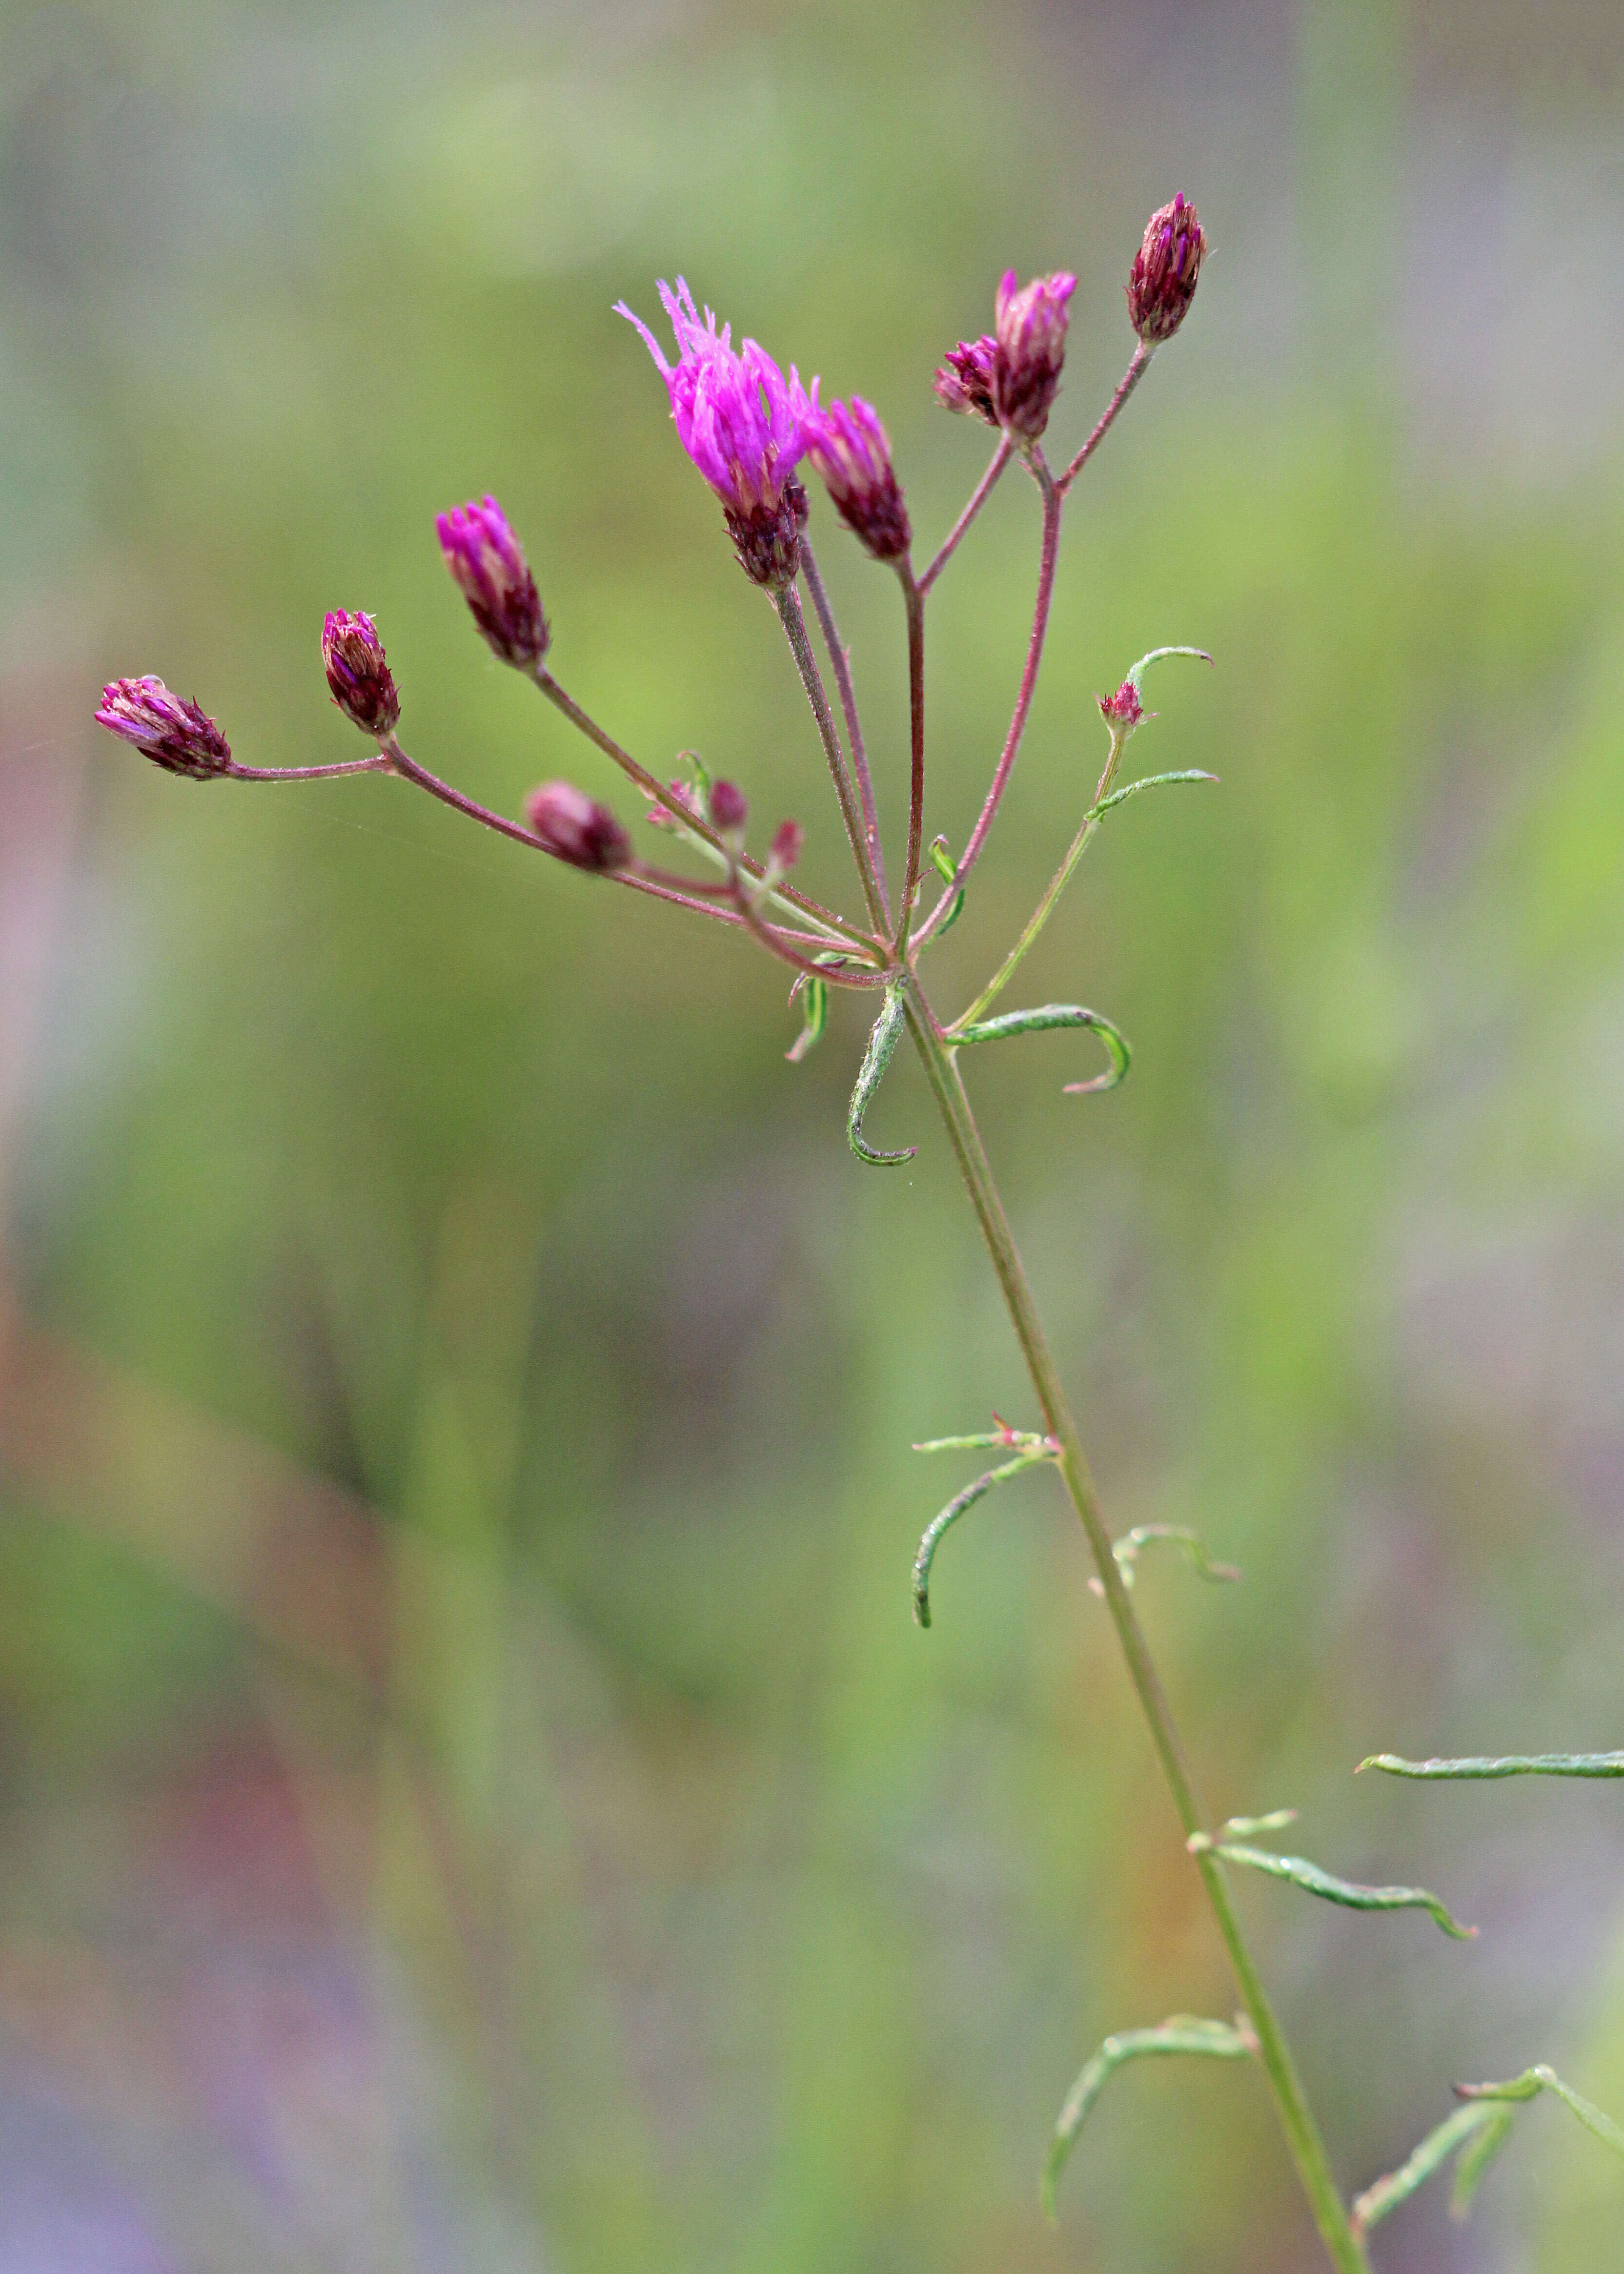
(882, 1044)
(1181, 2033)
(1314, 1881)
(1046, 1019)
(1034, 1453)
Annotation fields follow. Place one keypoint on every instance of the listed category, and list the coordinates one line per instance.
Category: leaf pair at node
(1476, 2133)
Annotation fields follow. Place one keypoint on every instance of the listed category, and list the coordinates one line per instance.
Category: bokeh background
(472, 1796)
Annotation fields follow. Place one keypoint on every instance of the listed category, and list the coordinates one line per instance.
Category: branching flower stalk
(748, 428)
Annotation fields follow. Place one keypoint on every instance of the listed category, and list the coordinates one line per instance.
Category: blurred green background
(472, 1794)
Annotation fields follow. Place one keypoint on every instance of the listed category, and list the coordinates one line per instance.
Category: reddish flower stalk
(914, 600)
(1138, 366)
(1053, 504)
(978, 496)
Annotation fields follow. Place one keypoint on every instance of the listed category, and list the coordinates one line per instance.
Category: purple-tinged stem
(776, 943)
(914, 601)
(408, 770)
(840, 663)
(978, 496)
(1053, 502)
(375, 765)
(665, 796)
(788, 604)
(1138, 366)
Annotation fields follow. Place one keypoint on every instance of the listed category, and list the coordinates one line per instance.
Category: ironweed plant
(750, 432)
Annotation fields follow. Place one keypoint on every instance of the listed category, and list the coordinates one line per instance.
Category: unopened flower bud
(728, 808)
(661, 816)
(488, 565)
(171, 732)
(1122, 711)
(1030, 326)
(358, 673)
(575, 828)
(786, 842)
(1162, 280)
(848, 446)
(965, 381)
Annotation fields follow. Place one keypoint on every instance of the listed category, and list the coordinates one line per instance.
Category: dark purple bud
(358, 673)
(488, 565)
(965, 381)
(728, 808)
(767, 536)
(171, 732)
(786, 842)
(575, 828)
(848, 446)
(1124, 711)
(1031, 328)
(1162, 280)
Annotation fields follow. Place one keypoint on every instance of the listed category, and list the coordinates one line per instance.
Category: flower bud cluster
(1010, 376)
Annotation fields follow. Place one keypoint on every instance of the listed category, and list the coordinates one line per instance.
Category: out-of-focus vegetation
(473, 1794)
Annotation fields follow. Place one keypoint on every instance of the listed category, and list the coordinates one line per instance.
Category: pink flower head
(574, 827)
(358, 673)
(965, 381)
(488, 565)
(1162, 280)
(742, 422)
(1122, 711)
(848, 446)
(171, 732)
(1030, 326)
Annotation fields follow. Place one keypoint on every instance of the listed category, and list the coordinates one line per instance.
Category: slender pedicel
(1053, 504)
(914, 601)
(978, 496)
(788, 604)
(840, 664)
(665, 795)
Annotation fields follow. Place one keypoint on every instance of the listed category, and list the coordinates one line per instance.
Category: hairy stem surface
(1296, 2118)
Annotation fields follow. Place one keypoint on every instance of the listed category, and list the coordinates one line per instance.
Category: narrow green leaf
(1456, 2132)
(1313, 1881)
(1247, 1827)
(1476, 2156)
(950, 1516)
(1150, 781)
(945, 866)
(1044, 1019)
(1157, 654)
(816, 1011)
(986, 1441)
(876, 1057)
(1531, 2083)
(1196, 1554)
(1181, 2033)
(1509, 1764)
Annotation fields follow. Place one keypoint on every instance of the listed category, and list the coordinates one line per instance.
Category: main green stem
(1296, 2118)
